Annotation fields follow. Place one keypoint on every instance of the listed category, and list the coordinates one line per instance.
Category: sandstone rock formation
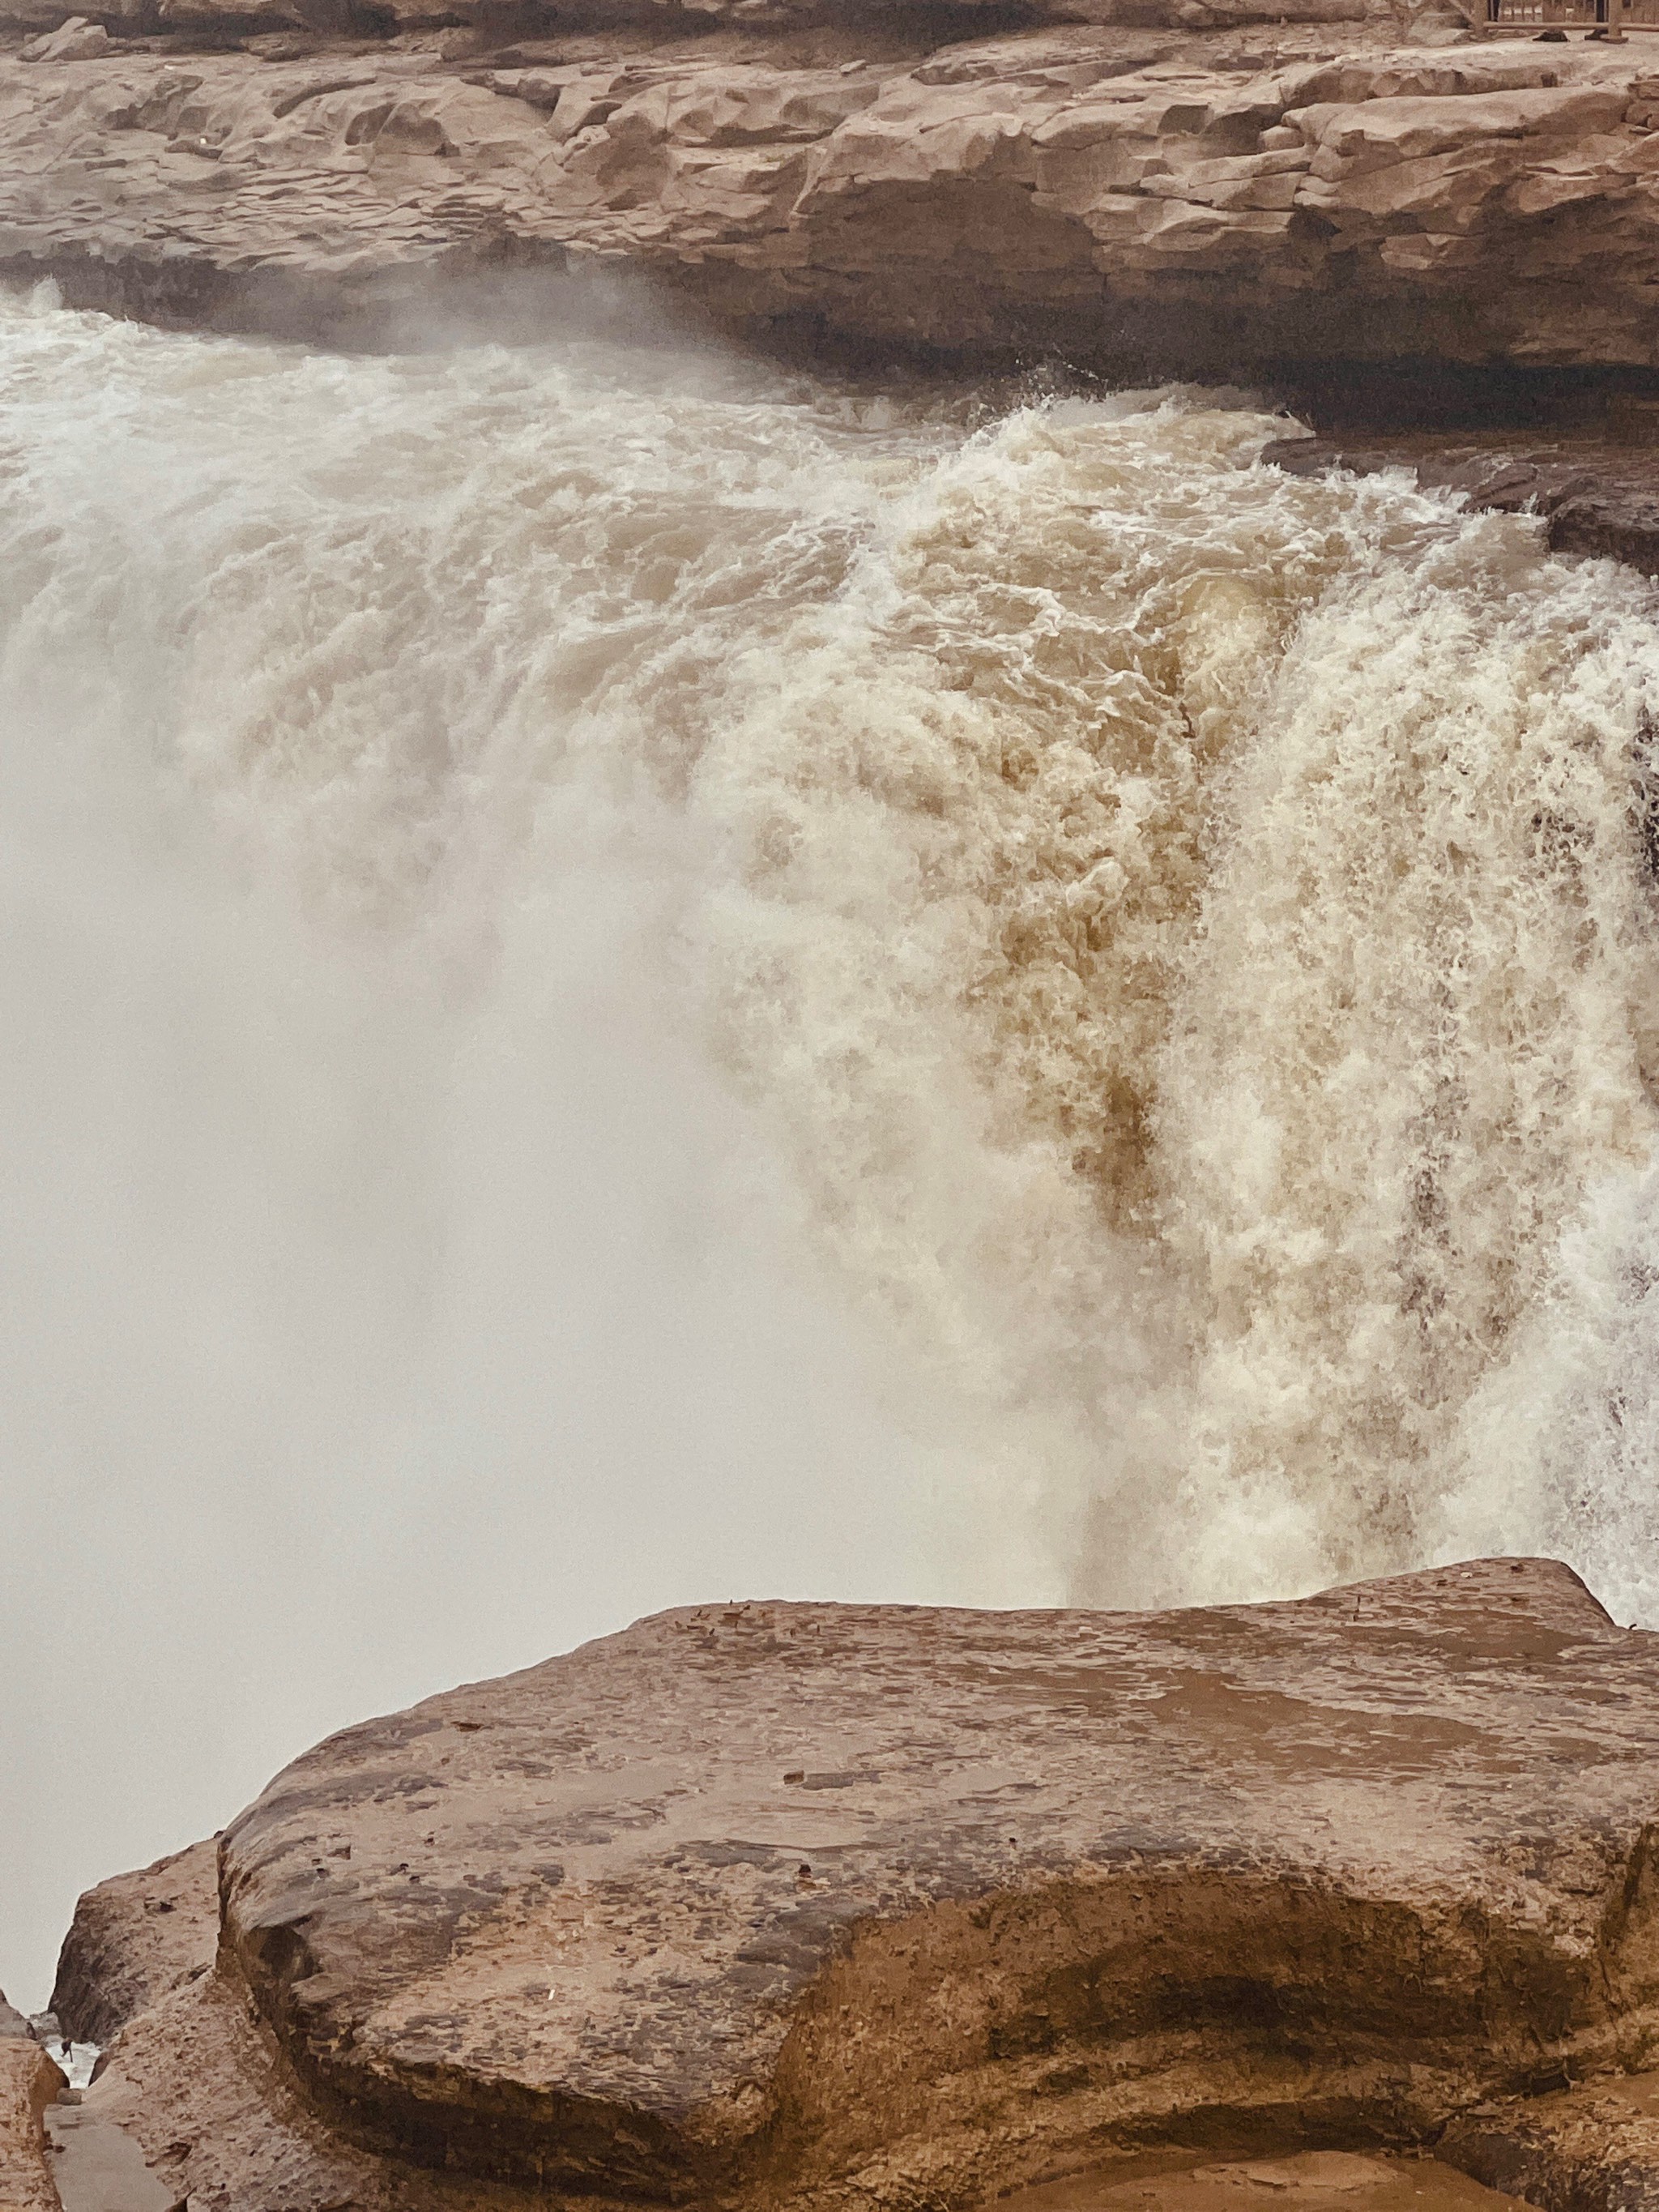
(832, 1906)
(136, 1938)
(1216, 198)
(1591, 2149)
(28, 2083)
(1311, 2181)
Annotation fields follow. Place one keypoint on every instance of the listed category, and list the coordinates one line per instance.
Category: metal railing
(1614, 16)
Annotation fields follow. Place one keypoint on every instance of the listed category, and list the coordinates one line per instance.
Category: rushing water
(629, 975)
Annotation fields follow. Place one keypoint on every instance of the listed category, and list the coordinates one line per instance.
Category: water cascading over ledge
(1184, 933)
(1162, 948)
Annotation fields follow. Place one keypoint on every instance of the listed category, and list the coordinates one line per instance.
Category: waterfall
(632, 974)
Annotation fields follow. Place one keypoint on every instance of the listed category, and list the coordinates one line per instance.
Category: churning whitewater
(1176, 944)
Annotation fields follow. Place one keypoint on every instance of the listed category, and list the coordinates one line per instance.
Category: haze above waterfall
(633, 977)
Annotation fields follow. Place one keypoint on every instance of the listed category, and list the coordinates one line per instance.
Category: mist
(354, 1347)
(633, 977)
(394, 1294)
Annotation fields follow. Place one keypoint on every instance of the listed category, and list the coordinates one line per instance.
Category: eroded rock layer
(1213, 198)
(28, 2083)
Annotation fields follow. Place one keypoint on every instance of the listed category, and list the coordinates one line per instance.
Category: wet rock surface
(97, 2166)
(777, 1899)
(1595, 496)
(1203, 194)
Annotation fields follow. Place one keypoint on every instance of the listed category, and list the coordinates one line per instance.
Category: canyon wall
(1199, 192)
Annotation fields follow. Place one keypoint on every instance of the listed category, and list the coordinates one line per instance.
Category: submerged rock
(1594, 498)
(884, 1904)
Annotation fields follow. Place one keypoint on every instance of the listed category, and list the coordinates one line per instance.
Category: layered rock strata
(1593, 2148)
(1310, 2181)
(821, 1904)
(1217, 199)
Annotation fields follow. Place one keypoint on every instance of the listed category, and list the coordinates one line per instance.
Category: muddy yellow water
(631, 975)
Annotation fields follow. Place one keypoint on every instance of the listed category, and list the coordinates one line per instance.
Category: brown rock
(197, 2083)
(77, 40)
(1314, 2181)
(135, 1938)
(28, 2083)
(781, 1901)
(1593, 2148)
(1594, 497)
(1187, 200)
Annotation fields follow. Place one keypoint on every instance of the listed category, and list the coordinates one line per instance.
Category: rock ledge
(1210, 200)
(757, 1898)
(826, 1907)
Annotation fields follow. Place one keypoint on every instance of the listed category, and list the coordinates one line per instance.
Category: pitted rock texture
(1593, 2148)
(197, 2082)
(775, 1902)
(1212, 200)
(135, 1938)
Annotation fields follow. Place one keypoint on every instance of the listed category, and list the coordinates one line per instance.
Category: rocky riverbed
(830, 1906)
